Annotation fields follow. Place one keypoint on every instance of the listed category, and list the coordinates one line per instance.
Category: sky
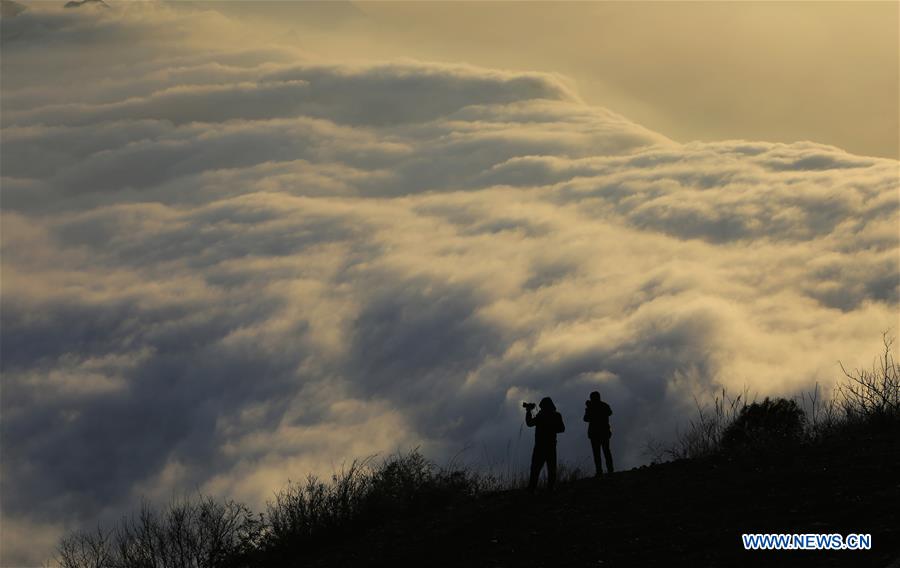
(777, 71)
(242, 243)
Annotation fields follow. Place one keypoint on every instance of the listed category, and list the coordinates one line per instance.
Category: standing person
(596, 414)
(547, 423)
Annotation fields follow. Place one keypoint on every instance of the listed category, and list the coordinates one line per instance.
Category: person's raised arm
(560, 427)
(529, 420)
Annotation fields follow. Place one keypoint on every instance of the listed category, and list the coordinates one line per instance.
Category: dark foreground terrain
(689, 512)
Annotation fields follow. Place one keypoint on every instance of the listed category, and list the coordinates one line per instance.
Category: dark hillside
(407, 512)
(688, 512)
(760, 468)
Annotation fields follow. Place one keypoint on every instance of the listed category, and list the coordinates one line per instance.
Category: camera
(528, 405)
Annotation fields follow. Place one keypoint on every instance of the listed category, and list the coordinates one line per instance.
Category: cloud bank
(225, 267)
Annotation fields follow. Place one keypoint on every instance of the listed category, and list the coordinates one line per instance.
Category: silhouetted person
(547, 424)
(596, 414)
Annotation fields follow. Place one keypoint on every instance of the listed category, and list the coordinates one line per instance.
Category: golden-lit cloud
(227, 267)
(778, 71)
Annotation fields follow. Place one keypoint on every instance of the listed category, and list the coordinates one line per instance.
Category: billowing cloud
(224, 268)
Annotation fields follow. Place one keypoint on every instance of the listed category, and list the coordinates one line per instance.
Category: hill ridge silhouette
(684, 512)
(748, 467)
(689, 511)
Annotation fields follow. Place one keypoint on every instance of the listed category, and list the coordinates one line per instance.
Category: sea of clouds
(226, 264)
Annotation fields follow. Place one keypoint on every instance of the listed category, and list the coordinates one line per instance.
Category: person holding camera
(596, 414)
(547, 424)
